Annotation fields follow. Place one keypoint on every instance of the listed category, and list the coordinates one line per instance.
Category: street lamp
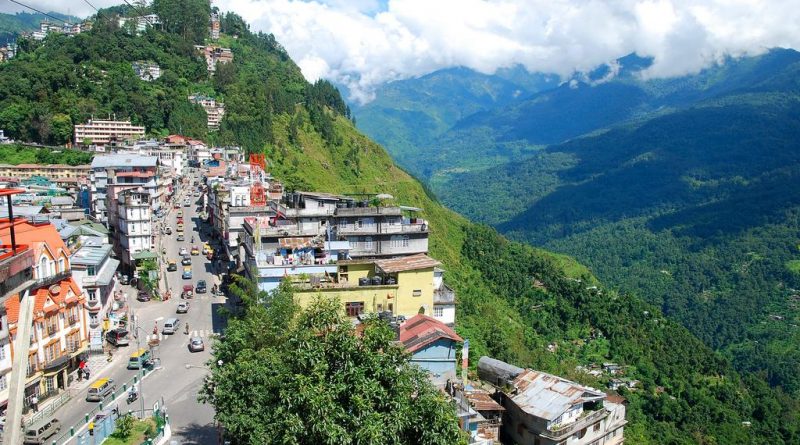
(141, 381)
(188, 366)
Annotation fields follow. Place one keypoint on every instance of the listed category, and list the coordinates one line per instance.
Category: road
(176, 383)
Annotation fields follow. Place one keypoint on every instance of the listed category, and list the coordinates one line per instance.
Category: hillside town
(91, 259)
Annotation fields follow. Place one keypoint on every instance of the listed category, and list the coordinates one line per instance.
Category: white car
(183, 252)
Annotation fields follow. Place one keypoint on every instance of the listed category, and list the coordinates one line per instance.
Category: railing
(50, 409)
(366, 211)
(52, 279)
(556, 433)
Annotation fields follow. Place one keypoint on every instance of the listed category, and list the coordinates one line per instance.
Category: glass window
(90, 271)
(3, 382)
(438, 311)
(3, 352)
(353, 308)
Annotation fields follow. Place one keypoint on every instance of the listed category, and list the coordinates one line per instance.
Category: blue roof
(91, 255)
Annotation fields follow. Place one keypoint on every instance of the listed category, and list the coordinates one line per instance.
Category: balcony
(369, 211)
(382, 228)
(52, 279)
(72, 319)
(560, 432)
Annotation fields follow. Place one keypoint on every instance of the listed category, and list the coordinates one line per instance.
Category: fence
(70, 434)
(49, 409)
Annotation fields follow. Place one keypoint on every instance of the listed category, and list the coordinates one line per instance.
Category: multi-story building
(380, 231)
(214, 26)
(402, 286)
(229, 204)
(94, 271)
(124, 170)
(59, 326)
(545, 409)
(131, 219)
(214, 54)
(103, 132)
(444, 299)
(52, 172)
(140, 23)
(147, 71)
(214, 110)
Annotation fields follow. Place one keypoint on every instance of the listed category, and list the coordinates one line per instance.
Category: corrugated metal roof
(412, 262)
(422, 330)
(548, 396)
(482, 401)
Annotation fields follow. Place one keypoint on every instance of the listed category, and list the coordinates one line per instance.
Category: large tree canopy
(294, 376)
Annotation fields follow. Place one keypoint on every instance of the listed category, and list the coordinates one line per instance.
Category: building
(147, 71)
(214, 110)
(214, 54)
(8, 51)
(444, 299)
(52, 172)
(478, 414)
(377, 231)
(126, 170)
(104, 132)
(402, 286)
(545, 409)
(131, 222)
(59, 327)
(229, 205)
(94, 271)
(214, 26)
(140, 23)
(432, 346)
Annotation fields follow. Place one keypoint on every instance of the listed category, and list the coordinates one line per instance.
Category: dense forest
(513, 301)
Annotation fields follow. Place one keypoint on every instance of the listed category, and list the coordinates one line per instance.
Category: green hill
(513, 300)
(12, 25)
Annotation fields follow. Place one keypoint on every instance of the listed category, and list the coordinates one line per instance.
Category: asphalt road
(181, 375)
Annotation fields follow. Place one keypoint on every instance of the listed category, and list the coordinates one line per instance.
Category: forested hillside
(12, 25)
(696, 211)
(513, 300)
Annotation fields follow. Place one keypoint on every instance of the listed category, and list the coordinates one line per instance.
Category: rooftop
(123, 160)
(90, 254)
(548, 396)
(422, 330)
(412, 262)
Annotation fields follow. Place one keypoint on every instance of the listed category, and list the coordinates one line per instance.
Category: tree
(303, 376)
(189, 18)
(61, 128)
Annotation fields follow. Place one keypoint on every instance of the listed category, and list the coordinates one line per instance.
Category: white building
(127, 170)
(141, 22)
(444, 299)
(214, 110)
(94, 271)
(102, 132)
(147, 71)
(134, 219)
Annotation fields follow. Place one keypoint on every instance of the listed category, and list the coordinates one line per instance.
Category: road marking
(159, 318)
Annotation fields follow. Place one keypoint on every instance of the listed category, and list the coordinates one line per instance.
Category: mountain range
(682, 191)
(513, 301)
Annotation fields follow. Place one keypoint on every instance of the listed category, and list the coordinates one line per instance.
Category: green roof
(144, 255)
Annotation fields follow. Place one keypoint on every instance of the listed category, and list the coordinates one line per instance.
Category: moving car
(138, 358)
(183, 307)
(40, 433)
(168, 230)
(187, 273)
(179, 213)
(101, 388)
(201, 287)
(171, 326)
(117, 337)
(187, 291)
(172, 266)
(180, 236)
(183, 252)
(195, 250)
(186, 260)
(196, 344)
(186, 203)
(143, 296)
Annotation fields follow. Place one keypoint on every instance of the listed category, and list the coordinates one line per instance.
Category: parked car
(183, 307)
(172, 266)
(124, 279)
(44, 430)
(168, 230)
(143, 296)
(201, 287)
(117, 337)
(196, 344)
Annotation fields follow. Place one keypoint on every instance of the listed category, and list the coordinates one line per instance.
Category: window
(3, 382)
(320, 204)
(368, 245)
(416, 293)
(42, 267)
(52, 325)
(61, 265)
(596, 427)
(359, 224)
(390, 307)
(438, 311)
(380, 307)
(3, 352)
(52, 352)
(90, 271)
(353, 308)
(50, 385)
(92, 293)
(404, 241)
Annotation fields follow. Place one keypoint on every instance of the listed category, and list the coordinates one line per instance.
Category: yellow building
(403, 286)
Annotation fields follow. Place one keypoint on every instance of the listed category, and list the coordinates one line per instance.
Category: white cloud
(365, 43)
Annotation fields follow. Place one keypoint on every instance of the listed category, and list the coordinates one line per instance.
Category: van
(137, 359)
(100, 389)
(170, 326)
(40, 433)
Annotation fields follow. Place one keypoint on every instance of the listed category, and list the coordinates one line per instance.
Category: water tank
(391, 280)
(377, 280)
(363, 281)
(365, 203)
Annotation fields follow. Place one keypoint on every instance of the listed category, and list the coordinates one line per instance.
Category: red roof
(12, 308)
(422, 330)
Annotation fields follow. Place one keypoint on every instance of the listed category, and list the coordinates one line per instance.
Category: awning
(107, 273)
(56, 365)
(144, 255)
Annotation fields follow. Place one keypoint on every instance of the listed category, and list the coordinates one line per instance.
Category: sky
(363, 44)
